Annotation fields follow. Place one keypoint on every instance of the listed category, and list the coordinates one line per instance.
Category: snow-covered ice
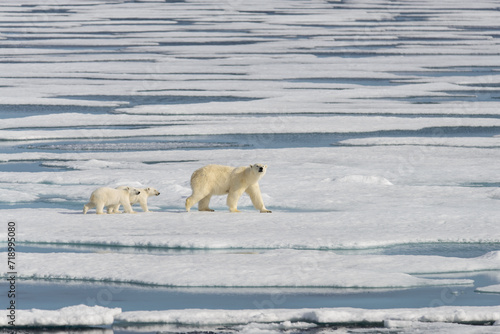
(274, 320)
(321, 316)
(277, 268)
(490, 289)
(379, 122)
(74, 316)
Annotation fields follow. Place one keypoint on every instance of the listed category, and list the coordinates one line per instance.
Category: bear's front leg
(254, 192)
(233, 198)
(203, 204)
(127, 208)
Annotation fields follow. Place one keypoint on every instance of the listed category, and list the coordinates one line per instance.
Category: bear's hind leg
(193, 199)
(203, 204)
(189, 203)
(87, 207)
(99, 209)
(233, 198)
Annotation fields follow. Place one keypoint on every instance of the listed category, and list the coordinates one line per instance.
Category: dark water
(57, 294)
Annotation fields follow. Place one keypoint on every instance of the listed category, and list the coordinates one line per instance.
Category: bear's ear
(265, 166)
(251, 166)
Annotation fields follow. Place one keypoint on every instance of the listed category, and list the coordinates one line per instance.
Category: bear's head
(152, 191)
(132, 192)
(259, 169)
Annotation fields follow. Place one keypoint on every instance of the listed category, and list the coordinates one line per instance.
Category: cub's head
(152, 191)
(259, 169)
(133, 192)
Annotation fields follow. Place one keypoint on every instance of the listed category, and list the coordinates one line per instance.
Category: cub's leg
(114, 209)
(144, 204)
(127, 208)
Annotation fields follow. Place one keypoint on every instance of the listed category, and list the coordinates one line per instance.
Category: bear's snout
(261, 169)
(137, 192)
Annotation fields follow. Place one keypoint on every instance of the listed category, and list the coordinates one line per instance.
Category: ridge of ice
(87, 316)
(74, 316)
(452, 314)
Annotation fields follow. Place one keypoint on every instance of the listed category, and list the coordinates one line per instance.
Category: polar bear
(111, 199)
(142, 197)
(233, 181)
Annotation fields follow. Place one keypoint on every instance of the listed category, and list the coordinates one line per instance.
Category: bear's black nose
(261, 170)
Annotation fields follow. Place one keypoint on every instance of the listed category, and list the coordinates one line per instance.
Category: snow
(365, 179)
(402, 327)
(269, 320)
(489, 289)
(318, 316)
(78, 315)
(12, 196)
(325, 229)
(35, 127)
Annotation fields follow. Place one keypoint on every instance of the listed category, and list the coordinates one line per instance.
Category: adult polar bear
(233, 181)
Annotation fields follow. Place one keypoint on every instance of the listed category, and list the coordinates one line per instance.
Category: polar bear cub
(111, 199)
(142, 197)
(233, 181)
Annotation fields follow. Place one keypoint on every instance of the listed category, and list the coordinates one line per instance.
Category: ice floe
(72, 316)
(79, 316)
(318, 316)
(274, 268)
(489, 289)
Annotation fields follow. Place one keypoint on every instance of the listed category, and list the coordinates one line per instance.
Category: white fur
(142, 198)
(111, 199)
(221, 180)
